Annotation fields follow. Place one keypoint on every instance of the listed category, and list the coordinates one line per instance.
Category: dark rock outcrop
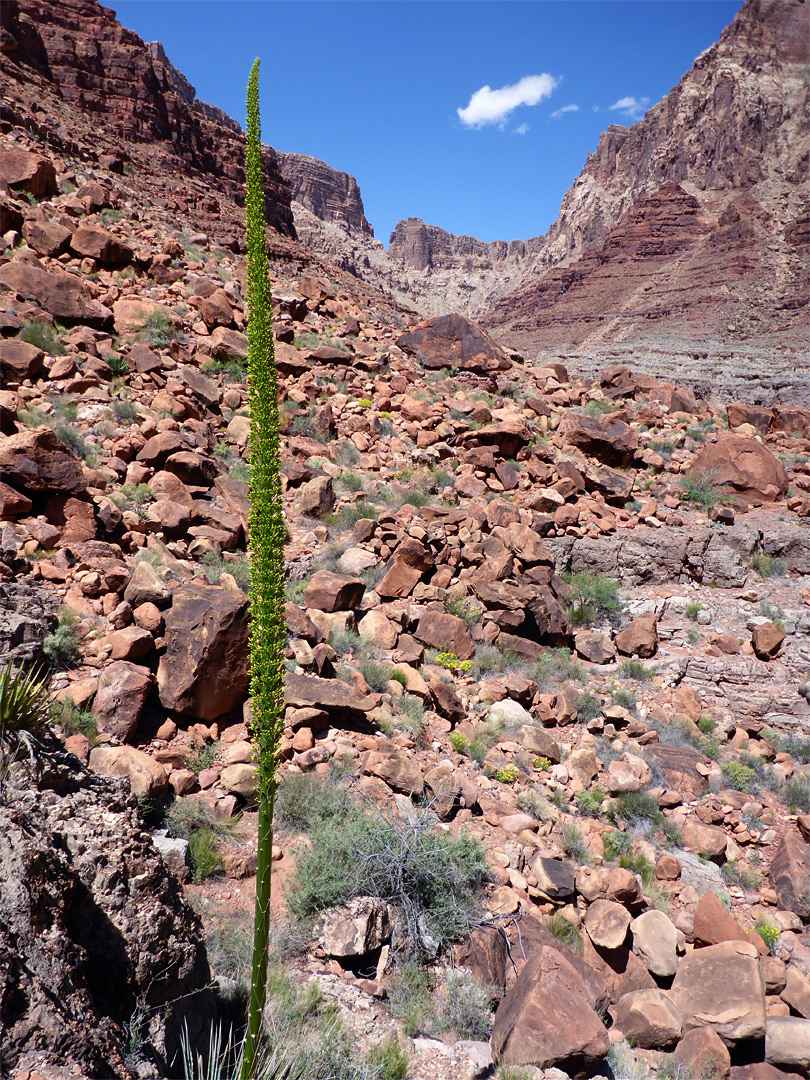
(102, 961)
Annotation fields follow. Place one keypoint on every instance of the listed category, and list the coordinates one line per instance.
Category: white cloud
(565, 109)
(521, 130)
(631, 107)
(488, 106)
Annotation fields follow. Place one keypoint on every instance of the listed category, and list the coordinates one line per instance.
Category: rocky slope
(632, 750)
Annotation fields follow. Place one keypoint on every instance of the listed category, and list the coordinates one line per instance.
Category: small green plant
(109, 215)
(351, 481)
(73, 439)
(599, 407)
(796, 794)
(76, 721)
(459, 742)
(410, 994)
(589, 801)
(565, 931)
(203, 758)
(350, 514)
(767, 931)
(463, 608)
(594, 597)
(542, 763)
(634, 669)
(116, 363)
(766, 565)
(692, 609)
(44, 336)
(574, 844)
(124, 409)
(158, 329)
(466, 1008)
(531, 802)
(206, 858)
(588, 706)
(61, 648)
(739, 776)
(450, 661)
(389, 1061)
(25, 704)
(701, 488)
(507, 774)
(214, 566)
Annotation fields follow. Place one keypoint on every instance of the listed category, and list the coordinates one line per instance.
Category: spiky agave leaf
(25, 702)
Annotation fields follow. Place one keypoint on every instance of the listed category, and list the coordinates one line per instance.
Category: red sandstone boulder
(36, 460)
(453, 341)
(639, 637)
(742, 466)
(60, 294)
(94, 242)
(767, 639)
(25, 171)
(611, 441)
(19, 359)
(203, 672)
(546, 1018)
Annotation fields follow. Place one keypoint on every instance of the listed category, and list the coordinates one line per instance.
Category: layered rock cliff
(92, 62)
(687, 232)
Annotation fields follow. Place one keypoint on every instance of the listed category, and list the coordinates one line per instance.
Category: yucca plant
(25, 703)
(267, 532)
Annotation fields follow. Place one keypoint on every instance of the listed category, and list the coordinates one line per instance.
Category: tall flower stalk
(267, 532)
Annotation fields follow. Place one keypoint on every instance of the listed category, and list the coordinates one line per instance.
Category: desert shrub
(565, 931)
(459, 742)
(701, 489)
(350, 514)
(157, 329)
(432, 878)
(214, 566)
(620, 695)
(767, 931)
(637, 808)
(741, 876)
(73, 439)
(529, 801)
(589, 801)
(796, 794)
(206, 858)
(25, 704)
(507, 774)
(616, 843)
(411, 714)
(116, 363)
(692, 608)
(599, 407)
(61, 648)
(574, 844)
(588, 706)
(203, 758)
(410, 996)
(595, 597)
(739, 776)
(305, 801)
(389, 1061)
(124, 409)
(351, 481)
(766, 565)
(233, 370)
(634, 669)
(76, 721)
(376, 675)
(706, 724)
(44, 336)
(463, 607)
(466, 1008)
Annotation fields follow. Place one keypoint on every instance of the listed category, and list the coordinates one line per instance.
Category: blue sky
(443, 110)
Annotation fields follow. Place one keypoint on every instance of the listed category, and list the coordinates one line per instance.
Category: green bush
(739, 776)
(529, 801)
(214, 566)
(61, 648)
(158, 331)
(203, 758)
(73, 439)
(459, 742)
(44, 336)
(574, 844)
(466, 1009)
(768, 932)
(124, 409)
(692, 608)
(116, 363)
(305, 801)
(637, 807)
(463, 607)
(588, 706)
(634, 669)
(389, 1061)
(767, 566)
(410, 996)
(376, 675)
(701, 489)
(589, 801)
(706, 724)
(507, 774)
(432, 878)
(349, 515)
(796, 794)
(77, 721)
(206, 858)
(595, 597)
